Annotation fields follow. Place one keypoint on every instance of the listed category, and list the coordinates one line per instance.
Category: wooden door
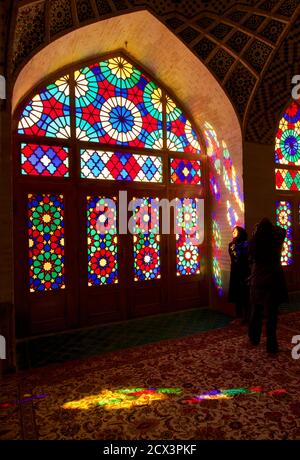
(188, 281)
(102, 257)
(146, 255)
(46, 293)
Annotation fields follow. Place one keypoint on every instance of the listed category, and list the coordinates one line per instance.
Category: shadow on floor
(83, 343)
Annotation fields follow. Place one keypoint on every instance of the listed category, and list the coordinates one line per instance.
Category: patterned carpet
(152, 392)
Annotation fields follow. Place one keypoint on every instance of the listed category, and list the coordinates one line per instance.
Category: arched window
(95, 131)
(287, 177)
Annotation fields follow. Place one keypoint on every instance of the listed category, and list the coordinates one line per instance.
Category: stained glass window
(48, 112)
(287, 179)
(102, 241)
(287, 152)
(146, 240)
(44, 160)
(46, 242)
(185, 171)
(117, 104)
(287, 144)
(284, 219)
(187, 249)
(181, 137)
(120, 166)
(287, 147)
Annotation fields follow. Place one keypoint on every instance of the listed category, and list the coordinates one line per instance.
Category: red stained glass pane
(44, 160)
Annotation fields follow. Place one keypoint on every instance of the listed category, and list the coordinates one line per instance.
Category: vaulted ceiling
(251, 47)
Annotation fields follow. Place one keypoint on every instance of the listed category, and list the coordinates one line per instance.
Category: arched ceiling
(243, 44)
(164, 56)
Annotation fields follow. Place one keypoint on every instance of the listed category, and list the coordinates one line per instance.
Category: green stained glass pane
(46, 242)
(102, 241)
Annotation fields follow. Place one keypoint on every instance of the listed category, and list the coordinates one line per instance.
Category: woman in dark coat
(239, 272)
(267, 284)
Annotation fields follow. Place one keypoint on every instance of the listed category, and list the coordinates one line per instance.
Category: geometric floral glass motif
(102, 241)
(287, 179)
(287, 143)
(291, 115)
(181, 137)
(117, 104)
(120, 166)
(287, 147)
(115, 107)
(46, 242)
(287, 251)
(284, 220)
(48, 112)
(43, 160)
(187, 251)
(185, 171)
(146, 241)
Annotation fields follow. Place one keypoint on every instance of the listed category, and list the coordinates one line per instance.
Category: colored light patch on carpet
(132, 397)
(231, 393)
(123, 398)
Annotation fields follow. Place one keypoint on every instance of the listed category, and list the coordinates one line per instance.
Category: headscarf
(242, 235)
(265, 244)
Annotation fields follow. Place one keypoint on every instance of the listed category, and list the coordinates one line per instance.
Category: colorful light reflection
(232, 217)
(123, 398)
(216, 248)
(231, 392)
(128, 398)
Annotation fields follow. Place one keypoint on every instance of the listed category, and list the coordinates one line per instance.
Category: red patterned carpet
(150, 392)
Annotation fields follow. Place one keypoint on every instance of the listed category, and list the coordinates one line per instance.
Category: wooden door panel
(146, 296)
(53, 309)
(99, 302)
(147, 299)
(48, 313)
(101, 305)
(189, 293)
(187, 290)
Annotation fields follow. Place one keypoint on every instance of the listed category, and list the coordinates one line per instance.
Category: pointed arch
(176, 129)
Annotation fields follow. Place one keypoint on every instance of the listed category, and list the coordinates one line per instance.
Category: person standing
(239, 272)
(267, 283)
